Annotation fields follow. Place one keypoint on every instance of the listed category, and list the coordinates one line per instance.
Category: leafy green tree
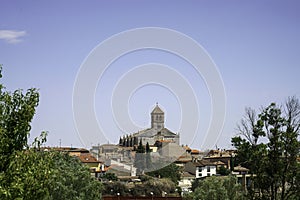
(159, 186)
(110, 177)
(217, 188)
(270, 147)
(223, 171)
(30, 173)
(34, 173)
(171, 171)
(16, 112)
(114, 188)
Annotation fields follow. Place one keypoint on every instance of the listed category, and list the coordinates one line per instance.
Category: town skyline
(254, 46)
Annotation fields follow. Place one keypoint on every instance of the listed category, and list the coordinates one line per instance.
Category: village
(139, 154)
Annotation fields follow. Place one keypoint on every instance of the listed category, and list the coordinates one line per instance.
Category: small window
(208, 168)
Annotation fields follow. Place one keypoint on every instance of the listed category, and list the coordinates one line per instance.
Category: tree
(131, 142)
(34, 173)
(110, 177)
(159, 186)
(141, 148)
(212, 188)
(270, 148)
(135, 141)
(148, 150)
(171, 171)
(223, 171)
(27, 172)
(120, 141)
(148, 164)
(113, 188)
(16, 112)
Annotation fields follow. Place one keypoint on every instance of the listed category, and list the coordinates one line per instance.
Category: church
(157, 132)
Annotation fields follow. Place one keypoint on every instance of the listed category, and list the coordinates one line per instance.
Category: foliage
(223, 171)
(30, 173)
(16, 112)
(270, 147)
(148, 150)
(148, 160)
(214, 187)
(110, 177)
(48, 175)
(153, 186)
(141, 148)
(115, 187)
(171, 171)
(159, 186)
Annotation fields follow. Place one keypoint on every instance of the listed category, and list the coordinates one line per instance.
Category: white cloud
(12, 36)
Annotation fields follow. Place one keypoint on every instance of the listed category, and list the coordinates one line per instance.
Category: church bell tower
(157, 118)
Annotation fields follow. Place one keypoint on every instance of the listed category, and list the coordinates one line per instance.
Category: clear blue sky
(255, 45)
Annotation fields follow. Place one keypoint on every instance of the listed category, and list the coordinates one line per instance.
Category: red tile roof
(87, 158)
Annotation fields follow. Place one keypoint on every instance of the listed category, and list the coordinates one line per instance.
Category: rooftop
(157, 110)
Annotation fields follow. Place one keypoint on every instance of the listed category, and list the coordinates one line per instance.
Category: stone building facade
(157, 132)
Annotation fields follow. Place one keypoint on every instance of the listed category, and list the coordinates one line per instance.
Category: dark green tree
(38, 174)
(148, 164)
(16, 112)
(28, 172)
(141, 148)
(135, 141)
(148, 150)
(114, 188)
(223, 171)
(171, 171)
(127, 141)
(124, 141)
(110, 177)
(131, 142)
(159, 186)
(270, 147)
(120, 141)
(214, 187)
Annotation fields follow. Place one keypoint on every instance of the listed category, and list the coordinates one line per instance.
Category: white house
(201, 168)
(186, 182)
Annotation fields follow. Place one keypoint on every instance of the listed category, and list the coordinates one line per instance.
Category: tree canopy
(27, 172)
(171, 171)
(211, 188)
(268, 145)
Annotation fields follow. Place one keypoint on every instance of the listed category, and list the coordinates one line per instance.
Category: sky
(254, 45)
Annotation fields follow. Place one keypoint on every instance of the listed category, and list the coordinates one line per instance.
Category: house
(220, 157)
(201, 168)
(96, 167)
(186, 181)
(189, 155)
(106, 151)
(120, 169)
(242, 176)
(70, 150)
